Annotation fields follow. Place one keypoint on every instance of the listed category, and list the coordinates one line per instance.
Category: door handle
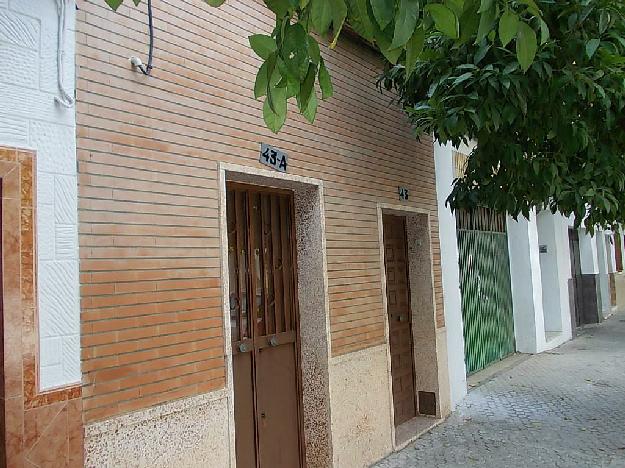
(244, 348)
(273, 341)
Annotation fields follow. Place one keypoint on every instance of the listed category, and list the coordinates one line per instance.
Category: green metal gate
(485, 288)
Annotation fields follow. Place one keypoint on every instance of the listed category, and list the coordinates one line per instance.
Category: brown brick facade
(148, 149)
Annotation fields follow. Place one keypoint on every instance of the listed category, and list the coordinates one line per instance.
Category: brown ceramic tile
(13, 385)
(14, 423)
(26, 183)
(51, 448)
(36, 421)
(8, 154)
(75, 434)
(8, 170)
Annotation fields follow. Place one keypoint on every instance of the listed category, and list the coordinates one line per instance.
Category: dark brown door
(263, 323)
(576, 274)
(399, 318)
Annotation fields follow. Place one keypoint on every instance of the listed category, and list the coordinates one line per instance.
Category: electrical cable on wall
(65, 99)
(136, 61)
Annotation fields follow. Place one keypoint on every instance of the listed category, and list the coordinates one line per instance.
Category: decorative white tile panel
(51, 351)
(23, 64)
(65, 205)
(71, 366)
(58, 301)
(30, 118)
(13, 130)
(19, 30)
(45, 188)
(65, 241)
(51, 376)
(56, 147)
(45, 232)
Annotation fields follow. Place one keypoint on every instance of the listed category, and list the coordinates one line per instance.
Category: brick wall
(148, 150)
(29, 118)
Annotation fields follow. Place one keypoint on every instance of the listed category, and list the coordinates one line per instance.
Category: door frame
(314, 326)
(427, 304)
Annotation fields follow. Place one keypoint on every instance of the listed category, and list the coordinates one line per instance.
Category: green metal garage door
(485, 288)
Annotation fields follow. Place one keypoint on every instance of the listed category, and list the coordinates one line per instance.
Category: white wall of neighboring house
(444, 164)
(30, 118)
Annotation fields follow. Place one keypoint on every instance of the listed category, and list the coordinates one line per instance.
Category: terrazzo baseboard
(191, 432)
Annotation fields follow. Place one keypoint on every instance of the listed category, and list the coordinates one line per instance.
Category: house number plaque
(273, 157)
(403, 193)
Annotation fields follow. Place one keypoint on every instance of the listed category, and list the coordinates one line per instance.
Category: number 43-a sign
(272, 157)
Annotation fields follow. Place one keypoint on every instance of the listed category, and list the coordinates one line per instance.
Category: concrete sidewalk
(564, 408)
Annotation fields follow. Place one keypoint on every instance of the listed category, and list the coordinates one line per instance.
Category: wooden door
(399, 318)
(264, 328)
(576, 274)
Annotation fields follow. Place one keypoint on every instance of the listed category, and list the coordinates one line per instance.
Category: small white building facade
(560, 279)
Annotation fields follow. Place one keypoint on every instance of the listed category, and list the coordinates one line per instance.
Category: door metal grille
(485, 288)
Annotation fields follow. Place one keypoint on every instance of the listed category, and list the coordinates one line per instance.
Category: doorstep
(484, 375)
(413, 429)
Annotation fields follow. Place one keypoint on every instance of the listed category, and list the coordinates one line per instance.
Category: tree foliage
(552, 136)
(538, 83)
(292, 62)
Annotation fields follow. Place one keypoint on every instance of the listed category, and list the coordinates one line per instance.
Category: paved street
(564, 408)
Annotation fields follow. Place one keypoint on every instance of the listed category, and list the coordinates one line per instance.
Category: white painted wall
(588, 253)
(527, 297)
(555, 271)
(602, 261)
(444, 164)
(30, 118)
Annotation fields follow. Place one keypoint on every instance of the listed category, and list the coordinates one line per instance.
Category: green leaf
(383, 12)
(487, 21)
(469, 22)
(462, 78)
(457, 6)
(414, 49)
(544, 32)
(295, 50)
(359, 18)
(444, 19)
(279, 7)
(339, 13)
(405, 22)
(114, 4)
(526, 45)
(311, 109)
(275, 115)
(263, 45)
(321, 15)
(604, 21)
(215, 3)
(307, 86)
(313, 50)
(263, 81)
(591, 47)
(325, 83)
(383, 40)
(508, 26)
(486, 5)
(532, 7)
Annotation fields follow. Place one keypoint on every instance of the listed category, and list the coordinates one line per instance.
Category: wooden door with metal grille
(264, 327)
(399, 318)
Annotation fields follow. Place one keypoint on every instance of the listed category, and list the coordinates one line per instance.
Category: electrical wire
(148, 68)
(65, 99)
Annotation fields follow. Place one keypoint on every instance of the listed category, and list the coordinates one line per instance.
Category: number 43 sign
(272, 157)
